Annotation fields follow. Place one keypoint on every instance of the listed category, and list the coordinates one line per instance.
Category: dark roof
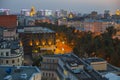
(16, 74)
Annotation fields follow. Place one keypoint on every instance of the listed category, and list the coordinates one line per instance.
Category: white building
(11, 53)
(25, 12)
(5, 11)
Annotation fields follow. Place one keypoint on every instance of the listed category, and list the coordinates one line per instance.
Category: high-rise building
(106, 14)
(57, 13)
(48, 12)
(63, 13)
(4, 11)
(45, 13)
(25, 12)
(93, 15)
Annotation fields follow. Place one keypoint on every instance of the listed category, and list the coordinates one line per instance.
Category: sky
(82, 6)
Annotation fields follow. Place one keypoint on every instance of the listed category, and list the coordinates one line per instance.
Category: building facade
(37, 38)
(8, 21)
(11, 53)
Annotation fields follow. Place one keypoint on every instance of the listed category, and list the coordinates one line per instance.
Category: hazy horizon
(82, 6)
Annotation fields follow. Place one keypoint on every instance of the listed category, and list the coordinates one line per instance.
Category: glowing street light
(63, 49)
(63, 42)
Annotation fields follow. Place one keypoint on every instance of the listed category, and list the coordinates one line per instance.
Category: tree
(111, 31)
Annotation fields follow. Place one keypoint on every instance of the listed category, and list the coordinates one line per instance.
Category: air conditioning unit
(9, 77)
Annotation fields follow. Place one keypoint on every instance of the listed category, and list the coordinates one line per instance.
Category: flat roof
(16, 75)
(69, 58)
(110, 68)
(95, 59)
(34, 29)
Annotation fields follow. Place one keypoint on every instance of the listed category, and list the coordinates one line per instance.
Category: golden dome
(118, 12)
(32, 11)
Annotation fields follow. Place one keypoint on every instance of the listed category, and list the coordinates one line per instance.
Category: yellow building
(32, 11)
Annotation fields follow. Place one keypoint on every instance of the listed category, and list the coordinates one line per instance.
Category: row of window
(51, 60)
(49, 66)
(48, 74)
(7, 61)
(7, 53)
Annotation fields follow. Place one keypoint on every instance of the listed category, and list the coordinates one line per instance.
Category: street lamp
(63, 49)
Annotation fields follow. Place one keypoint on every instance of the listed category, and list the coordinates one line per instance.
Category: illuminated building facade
(37, 39)
(42, 20)
(97, 26)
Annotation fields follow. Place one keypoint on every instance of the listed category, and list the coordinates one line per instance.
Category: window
(7, 53)
(46, 74)
(49, 74)
(52, 60)
(1, 53)
(18, 60)
(43, 73)
(13, 61)
(52, 74)
(6, 61)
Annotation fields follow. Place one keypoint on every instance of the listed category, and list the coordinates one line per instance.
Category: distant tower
(106, 14)
(32, 11)
(118, 12)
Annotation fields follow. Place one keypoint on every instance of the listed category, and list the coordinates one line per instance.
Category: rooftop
(74, 61)
(17, 72)
(69, 58)
(95, 59)
(34, 29)
(12, 44)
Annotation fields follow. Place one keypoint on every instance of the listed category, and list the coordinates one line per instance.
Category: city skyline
(81, 6)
